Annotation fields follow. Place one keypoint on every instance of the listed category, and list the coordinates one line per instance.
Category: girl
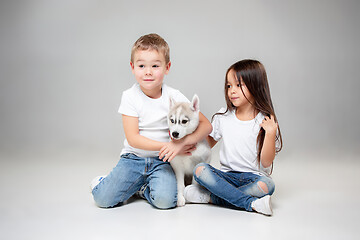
(251, 138)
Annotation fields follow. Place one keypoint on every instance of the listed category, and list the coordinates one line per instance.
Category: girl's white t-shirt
(238, 150)
(152, 115)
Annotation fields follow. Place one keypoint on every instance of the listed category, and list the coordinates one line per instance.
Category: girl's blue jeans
(232, 189)
(130, 174)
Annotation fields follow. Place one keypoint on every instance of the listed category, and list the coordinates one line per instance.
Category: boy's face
(149, 68)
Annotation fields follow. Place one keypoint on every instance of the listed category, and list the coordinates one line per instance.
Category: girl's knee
(263, 187)
(204, 175)
(199, 169)
(266, 186)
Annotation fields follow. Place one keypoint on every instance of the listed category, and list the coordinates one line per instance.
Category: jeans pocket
(244, 182)
(125, 155)
(130, 156)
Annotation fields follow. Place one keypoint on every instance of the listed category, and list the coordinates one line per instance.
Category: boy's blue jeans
(232, 189)
(130, 174)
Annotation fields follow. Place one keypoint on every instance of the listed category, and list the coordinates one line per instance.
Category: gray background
(64, 65)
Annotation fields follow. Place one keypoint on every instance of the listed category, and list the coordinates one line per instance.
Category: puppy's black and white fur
(183, 119)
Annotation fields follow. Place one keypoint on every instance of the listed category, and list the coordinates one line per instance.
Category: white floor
(45, 197)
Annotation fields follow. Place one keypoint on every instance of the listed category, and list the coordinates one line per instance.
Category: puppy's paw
(181, 201)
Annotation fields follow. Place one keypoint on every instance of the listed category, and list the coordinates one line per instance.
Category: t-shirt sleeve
(178, 96)
(216, 132)
(127, 105)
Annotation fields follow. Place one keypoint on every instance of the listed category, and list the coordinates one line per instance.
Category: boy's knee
(163, 202)
(105, 200)
(104, 203)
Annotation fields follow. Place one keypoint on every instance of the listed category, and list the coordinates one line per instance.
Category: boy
(144, 164)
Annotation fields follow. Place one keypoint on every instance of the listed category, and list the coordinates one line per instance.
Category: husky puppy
(183, 119)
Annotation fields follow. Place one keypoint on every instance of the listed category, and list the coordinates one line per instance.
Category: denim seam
(235, 179)
(134, 183)
(227, 183)
(249, 208)
(250, 182)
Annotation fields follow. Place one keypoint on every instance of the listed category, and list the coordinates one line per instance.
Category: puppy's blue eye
(172, 121)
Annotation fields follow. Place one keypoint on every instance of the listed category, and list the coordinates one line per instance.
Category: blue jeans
(130, 174)
(233, 189)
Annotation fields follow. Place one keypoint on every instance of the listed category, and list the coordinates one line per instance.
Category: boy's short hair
(151, 42)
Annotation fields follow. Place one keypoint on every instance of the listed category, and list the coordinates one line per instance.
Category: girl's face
(237, 97)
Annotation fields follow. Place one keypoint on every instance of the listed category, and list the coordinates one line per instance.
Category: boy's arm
(173, 148)
(131, 129)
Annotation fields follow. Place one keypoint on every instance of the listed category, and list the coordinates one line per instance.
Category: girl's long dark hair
(253, 75)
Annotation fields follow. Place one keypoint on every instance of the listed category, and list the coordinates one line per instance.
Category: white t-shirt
(152, 114)
(238, 150)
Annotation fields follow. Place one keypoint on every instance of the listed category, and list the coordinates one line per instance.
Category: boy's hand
(269, 125)
(173, 148)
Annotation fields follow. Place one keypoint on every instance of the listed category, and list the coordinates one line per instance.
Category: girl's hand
(269, 125)
(173, 148)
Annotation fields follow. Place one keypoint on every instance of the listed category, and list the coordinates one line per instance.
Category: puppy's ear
(195, 103)
(171, 102)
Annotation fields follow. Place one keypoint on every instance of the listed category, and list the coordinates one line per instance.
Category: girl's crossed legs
(233, 189)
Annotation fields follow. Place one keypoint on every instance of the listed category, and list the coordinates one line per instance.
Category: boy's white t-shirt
(152, 115)
(238, 150)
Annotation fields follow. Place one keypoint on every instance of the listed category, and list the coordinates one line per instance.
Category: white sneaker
(196, 194)
(263, 205)
(96, 181)
(141, 192)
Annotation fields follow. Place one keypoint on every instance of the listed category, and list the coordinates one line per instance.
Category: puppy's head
(183, 118)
